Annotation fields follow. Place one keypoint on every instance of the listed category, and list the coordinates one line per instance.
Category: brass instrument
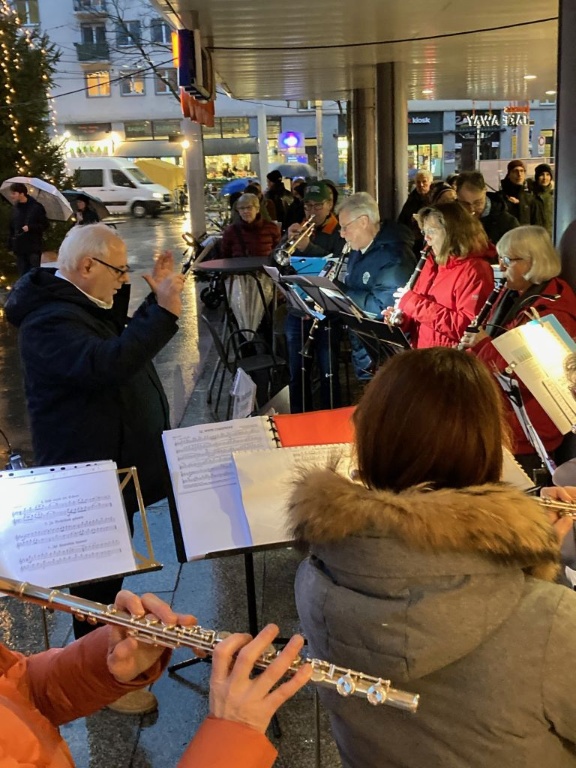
(283, 253)
(396, 313)
(346, 682)
(484, 312)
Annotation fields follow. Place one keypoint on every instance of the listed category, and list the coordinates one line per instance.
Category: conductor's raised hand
(236, 696)
(127, 657)
(163, 268)
(169, 293)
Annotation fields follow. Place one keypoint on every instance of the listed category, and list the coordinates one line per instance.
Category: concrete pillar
(262, 145)
(193, 155)
(565, 178)
(362, 148)
(392, 139)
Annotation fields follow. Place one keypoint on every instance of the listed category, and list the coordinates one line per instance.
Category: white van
(120, 184)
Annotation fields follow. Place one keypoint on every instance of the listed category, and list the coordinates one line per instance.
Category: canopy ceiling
(322, 49)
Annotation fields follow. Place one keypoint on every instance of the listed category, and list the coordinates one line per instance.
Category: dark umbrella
(290, 170)
(95, 203)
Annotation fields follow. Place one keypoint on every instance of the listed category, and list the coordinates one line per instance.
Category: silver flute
(347, 682)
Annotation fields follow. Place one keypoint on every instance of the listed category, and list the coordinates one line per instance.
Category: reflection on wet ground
(213, 589)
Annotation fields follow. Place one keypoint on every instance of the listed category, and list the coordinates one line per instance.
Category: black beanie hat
(542, 168)
(274, 176)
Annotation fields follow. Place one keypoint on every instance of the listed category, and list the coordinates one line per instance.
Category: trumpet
(346, 682)
(396, 312)
(484, 312)
(282, 254)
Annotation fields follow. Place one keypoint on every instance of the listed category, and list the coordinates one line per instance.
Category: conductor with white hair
(380, 262)
(91, 389)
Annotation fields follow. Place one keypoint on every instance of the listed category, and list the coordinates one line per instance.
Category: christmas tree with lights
(27, 66)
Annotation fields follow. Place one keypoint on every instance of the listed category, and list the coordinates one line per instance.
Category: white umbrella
(55, 204)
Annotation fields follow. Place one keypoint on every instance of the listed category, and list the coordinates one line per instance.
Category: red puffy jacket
(445, 299)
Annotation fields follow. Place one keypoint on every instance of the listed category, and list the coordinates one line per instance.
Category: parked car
(120, 185)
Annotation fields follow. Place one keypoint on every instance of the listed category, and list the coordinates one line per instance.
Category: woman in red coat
(455, 281)
(41, 692)
(531, 269)
(252, 236)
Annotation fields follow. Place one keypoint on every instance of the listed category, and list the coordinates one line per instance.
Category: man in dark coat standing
(490, 207)
(27, 225)
(91, 388)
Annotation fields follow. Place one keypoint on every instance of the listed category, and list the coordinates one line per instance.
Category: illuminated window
(132, 84)
(97, 84)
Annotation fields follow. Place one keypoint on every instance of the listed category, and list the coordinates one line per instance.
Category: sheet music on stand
(294, 300)
(66, 524)
(535, 352)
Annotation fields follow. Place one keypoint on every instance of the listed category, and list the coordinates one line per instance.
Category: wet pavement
(212, 589)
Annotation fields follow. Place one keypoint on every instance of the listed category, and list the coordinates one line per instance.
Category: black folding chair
(245, 349)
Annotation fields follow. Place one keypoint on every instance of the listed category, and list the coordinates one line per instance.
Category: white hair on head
(94, 240)
(360, 204)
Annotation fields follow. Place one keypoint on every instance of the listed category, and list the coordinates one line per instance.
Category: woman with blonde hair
(432, 573)
(531, 267)
(454, 283)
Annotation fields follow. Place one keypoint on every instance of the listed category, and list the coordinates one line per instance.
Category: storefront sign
(490, 120)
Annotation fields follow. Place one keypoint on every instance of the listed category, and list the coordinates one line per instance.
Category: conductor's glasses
(119, 270)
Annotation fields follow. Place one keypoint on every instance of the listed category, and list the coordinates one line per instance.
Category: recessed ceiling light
(427, 91)
(529, 77)
(550, 93)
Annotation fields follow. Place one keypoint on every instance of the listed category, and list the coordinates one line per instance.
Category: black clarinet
(477, 322)
(397, 312)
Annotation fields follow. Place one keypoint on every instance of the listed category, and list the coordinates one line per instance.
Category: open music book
(208, 512)
(63, 525)
(536, 353)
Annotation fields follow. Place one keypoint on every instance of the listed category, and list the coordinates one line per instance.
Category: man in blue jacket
(92, 391)
(380, 262)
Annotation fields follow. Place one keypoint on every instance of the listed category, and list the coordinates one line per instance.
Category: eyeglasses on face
(429, 231)
(315, 206)
(344, 227)
(507, 260)
(119, 270)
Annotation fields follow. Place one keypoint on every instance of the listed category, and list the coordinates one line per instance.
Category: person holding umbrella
(85, 214)
(28, 222)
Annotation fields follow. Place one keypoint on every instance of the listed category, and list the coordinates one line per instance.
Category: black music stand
(380, 339)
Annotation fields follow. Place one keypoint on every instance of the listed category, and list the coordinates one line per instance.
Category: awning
(156, 148)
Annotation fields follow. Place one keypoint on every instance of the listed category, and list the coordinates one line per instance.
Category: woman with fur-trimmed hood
(430, 572)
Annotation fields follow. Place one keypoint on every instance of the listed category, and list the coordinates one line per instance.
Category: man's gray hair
(533, 244)
(426, 174)
(360, 204)
(94, 240)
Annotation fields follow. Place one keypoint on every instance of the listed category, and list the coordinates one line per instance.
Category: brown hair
(430, 416)
(464, 233)
(17, 186)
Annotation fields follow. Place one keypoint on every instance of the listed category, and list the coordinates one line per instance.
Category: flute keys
(377, 693)
(346, 685)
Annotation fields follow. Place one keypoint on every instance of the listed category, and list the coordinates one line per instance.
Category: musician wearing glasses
(531, 267)
(428, 569)
(379, 261)
(91, 389)
(455, 280)
(43, 691)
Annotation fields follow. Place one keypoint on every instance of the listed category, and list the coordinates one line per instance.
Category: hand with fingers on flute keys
(62, 684)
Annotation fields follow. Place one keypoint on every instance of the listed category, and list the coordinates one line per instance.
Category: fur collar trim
(494, 520)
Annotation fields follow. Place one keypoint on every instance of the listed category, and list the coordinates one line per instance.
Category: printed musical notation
(63, 525)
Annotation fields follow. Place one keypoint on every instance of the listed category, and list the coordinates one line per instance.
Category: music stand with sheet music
(380, 339)
(59, 518)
